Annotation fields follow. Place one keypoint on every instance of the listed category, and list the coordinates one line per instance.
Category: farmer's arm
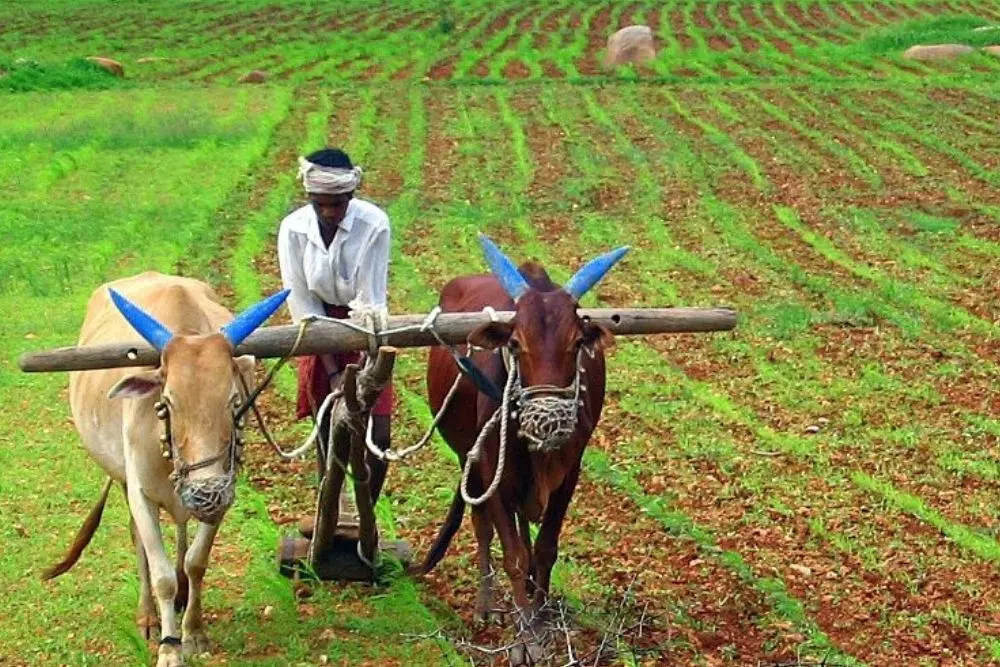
(301, 301)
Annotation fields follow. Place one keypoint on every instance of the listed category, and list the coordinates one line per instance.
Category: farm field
(821, 482)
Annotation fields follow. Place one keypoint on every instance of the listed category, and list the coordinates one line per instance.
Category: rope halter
(208, 498)
(547, 415)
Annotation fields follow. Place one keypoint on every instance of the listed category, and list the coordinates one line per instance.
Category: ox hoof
(195, 643)
(484, 615)
(170, 656)
(149, 627)
(528, 653)
(484, 603)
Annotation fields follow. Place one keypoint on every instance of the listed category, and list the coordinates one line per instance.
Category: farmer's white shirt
(356, 265)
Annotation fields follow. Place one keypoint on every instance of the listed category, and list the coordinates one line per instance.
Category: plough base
(340, 561)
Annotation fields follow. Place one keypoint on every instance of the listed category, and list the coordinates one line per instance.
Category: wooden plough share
(342, 531)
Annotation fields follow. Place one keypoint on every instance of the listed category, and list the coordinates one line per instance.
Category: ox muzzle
(547, 415)
(207, 498)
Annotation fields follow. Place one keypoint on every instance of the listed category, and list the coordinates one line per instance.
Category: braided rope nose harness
(547, 415)
(547, 421)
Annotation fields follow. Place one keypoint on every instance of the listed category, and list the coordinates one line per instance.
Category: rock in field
(256, 76)
(110, 65)
(937, 51)
(631, 44)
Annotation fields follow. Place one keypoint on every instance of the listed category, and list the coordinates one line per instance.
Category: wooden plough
(343, 541)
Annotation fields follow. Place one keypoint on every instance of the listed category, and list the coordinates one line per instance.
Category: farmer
(334, 257)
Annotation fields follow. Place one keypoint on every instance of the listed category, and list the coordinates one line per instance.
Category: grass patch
(22, 75)
(955, 29)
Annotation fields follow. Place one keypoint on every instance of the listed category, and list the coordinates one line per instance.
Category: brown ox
(552, 418)
(176, 444)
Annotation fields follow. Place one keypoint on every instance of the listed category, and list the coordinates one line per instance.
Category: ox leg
(161, 570)
(484, 537)
(516, 562)
(181, 600)
(525, 531)
(195, 563)
(145, 617)
(547, 545)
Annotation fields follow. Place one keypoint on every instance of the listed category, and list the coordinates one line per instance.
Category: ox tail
(83, 537)
(448, 529)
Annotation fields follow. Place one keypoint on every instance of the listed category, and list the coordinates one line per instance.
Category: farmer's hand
(335, 379)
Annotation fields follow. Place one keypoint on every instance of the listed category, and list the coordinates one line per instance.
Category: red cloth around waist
(314, 384)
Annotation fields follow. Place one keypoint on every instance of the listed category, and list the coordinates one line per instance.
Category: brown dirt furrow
(550, 70)
(403, 73)
(847, 17)
(654, 15)
(804, 20)
(678, 25)
(305, 67)
(405, 21)
(895, 594)
(725, 18)
(627, 17)
(701, 18)
(871, 18)
(901, 191)
(548, 147)
(749, 44)
(623, 548)
(443, 69)
(720, 43)
(779, 23)
(752, 18)
(828, 23)
(516, 69)
(495, 26)
(890, 12)
(441, 161)
(839, 592)
(597, 38)
(940, 163)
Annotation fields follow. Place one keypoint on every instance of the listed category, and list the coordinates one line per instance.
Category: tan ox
(170, 435)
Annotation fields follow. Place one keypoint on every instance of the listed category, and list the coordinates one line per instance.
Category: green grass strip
(980, 545)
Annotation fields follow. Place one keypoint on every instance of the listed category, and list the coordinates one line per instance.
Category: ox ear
(491, 336)
(245, 366)
(594, 335)
(139, 385)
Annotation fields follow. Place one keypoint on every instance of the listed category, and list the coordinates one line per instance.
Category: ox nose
(208, 498)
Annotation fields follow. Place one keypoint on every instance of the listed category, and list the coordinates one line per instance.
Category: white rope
(399, 455)
(302, 449)
(388, 455)
(476, 451)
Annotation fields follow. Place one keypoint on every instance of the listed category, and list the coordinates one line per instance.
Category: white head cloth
(328, 180)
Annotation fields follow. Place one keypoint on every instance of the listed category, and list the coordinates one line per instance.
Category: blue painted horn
(235, 332)
(145, 324)
(247, 322)
(591, 273)
(505, 271)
